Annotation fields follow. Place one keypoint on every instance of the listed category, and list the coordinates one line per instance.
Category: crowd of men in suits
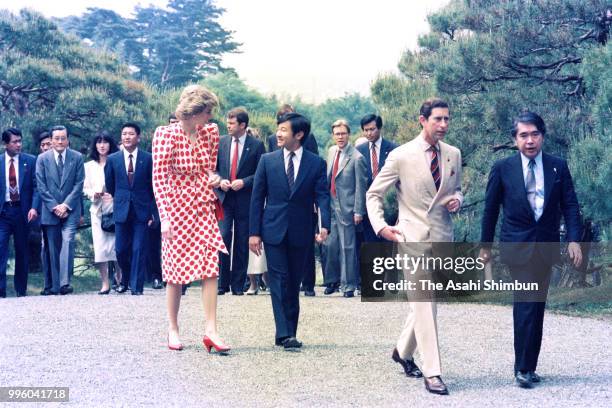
(289, 201)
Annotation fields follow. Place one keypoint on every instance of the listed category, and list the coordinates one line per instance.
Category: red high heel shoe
(175, 347)
(208, 343)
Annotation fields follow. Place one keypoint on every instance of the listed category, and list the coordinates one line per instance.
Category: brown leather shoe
(435, 385)
(410, 368)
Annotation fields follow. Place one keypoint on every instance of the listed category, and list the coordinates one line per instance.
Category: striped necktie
(435, 167)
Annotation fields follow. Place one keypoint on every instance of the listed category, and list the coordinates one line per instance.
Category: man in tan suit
(429, 175)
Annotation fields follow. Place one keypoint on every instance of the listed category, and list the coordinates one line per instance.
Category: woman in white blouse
(101, 203)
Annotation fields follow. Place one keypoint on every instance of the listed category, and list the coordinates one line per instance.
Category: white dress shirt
(296, 160)
(539, 179)
(126, 159)
(7, 164)
(241, 141)
(378, 144)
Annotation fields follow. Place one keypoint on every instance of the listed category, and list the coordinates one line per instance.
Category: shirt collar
(525, 160)
(126, 154)
(298, 153)
(56, 154)
(8, 158)
(425, 144)
(241, 139)
(378, 143)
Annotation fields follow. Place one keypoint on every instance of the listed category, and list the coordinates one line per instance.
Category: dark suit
(385, 148)
(236, 210)
(14, 220)
(133, 207)
(310, 144)
(53, 191)
(523, 240)
(286, 226)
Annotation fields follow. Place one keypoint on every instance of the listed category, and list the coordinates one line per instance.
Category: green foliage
(169, 47)
(492, 59)
(48, 78)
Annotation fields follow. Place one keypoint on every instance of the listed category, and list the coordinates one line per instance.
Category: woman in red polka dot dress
(184, 160)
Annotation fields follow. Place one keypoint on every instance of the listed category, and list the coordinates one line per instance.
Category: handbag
(108, 222)
(218, 210)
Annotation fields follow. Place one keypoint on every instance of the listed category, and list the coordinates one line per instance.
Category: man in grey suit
(59, 178)
(347, 178)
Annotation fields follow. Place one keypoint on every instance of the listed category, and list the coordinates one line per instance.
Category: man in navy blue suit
(375, 153)
(237, 161)
(128, 175)
(309, 143)
(535, 189)
(17, 207)
(288, 183)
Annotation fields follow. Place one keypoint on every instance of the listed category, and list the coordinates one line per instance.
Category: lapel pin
(555, 169)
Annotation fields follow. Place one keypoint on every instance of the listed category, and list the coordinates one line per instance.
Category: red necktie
(13, 193)
(234, 168)
(374, 161)
(334, 174)
(131, 171)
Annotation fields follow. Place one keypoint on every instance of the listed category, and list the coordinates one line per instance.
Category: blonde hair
(341, 122)
(194, 100)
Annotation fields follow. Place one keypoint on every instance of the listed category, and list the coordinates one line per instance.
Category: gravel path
(110, 351)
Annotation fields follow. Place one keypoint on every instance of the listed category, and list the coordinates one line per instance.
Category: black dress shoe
(435, 385)
(329, 290)
(410, 368)
(104, 292)
(309, 292)
(184, 289)
(291, 343)
(121, 289)
(534, 377)
(237, 293)
(221, 292)
(66, 289)
(2, 293)
(136, 293)
(20, 294)
(349, 294)
(523, 380)
(157, 284)
(46, 292)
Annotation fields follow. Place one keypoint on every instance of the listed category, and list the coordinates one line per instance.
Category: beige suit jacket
(423, 216)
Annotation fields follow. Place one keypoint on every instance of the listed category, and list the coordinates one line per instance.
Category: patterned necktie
(374, 161)
(60, 166)
(290, 171)
(130, 172)
(13, 191)
(435, 168)
(335, 173)
(530, 185)
(234, 168)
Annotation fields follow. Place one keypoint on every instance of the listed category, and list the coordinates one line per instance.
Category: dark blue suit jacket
(140, 194)
(506, 188)
(310, 144)
(28, 194)
(386, 147)
(251, 153)
(288, 212)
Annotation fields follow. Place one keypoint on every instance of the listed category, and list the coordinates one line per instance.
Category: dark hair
(6, 135)
(60, 128)
(284, 108)
(530, 118)
(298, 122)
(240, 114)
(43, 135)
(430, 104)
(372, 117)
(171, 117)
(102, 136)
(131, 125)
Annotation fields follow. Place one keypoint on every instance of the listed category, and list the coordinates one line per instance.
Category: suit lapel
(227, 147)
(3, 176)
(23, 167)
(279, 168)
(68, 162)
(347, 158)
(549, 177)
(245, 152)
(518, 181)
(302, 170)
(140, 168)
